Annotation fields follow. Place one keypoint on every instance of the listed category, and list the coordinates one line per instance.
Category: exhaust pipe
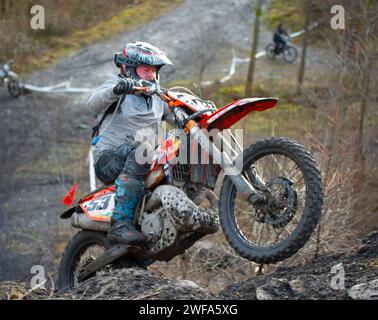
(81, 221)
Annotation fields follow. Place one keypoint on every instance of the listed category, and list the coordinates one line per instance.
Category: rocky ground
(309, 281)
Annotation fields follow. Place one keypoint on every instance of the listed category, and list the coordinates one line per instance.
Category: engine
(172, 222)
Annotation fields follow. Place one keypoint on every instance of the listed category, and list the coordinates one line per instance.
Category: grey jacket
(134, 115)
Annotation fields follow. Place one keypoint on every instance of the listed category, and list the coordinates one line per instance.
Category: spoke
(272, 166)
(260, 235)
(270, 234)
(243, 210)
(284, 167)
(252, 224)
(296, 219)
(292, 176)
(287, 230)
(299, 180)
(277, 234)
(279, 164)
(291, 170)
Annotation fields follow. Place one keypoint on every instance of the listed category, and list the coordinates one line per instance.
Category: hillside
(308, 281)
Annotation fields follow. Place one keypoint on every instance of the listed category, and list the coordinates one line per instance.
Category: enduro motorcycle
(10, 79)
(289, 52)
(267, 209)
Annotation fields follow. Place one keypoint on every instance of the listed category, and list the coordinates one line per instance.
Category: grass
(291, 117)
(53, 43)
(289, 12)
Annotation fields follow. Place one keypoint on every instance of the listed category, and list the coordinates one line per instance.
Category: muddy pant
(120, 165)
(112, 163)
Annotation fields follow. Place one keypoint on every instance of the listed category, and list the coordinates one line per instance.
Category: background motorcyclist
(115, 151)
(279, 38)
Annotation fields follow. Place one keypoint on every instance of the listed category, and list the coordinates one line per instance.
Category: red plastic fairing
(228, 115)
(98, 193)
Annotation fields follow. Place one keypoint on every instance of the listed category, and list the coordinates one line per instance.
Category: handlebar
(149, 87)
(182, 118)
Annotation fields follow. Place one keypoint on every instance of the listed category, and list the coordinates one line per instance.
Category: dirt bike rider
(115, 151)
(279, 38)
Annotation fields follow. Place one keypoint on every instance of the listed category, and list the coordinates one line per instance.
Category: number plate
(100, 208)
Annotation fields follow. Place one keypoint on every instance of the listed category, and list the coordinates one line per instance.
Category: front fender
(227, 116)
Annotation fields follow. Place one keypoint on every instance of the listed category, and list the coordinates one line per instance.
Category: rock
(364, 291)
(188, 284)
(275, 289)
(297, 286)
(311, 281)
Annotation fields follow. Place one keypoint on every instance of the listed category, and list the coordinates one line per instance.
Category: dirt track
(43, 149)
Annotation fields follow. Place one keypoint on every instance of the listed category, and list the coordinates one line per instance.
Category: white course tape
(63, 87)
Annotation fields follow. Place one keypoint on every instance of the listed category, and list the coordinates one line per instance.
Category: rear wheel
(278, 228)
(270, 53)
(83, 248)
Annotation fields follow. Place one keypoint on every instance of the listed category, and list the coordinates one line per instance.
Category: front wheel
(279, 227)
(290, 54)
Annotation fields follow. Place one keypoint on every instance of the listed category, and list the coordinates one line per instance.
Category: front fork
(248, 189)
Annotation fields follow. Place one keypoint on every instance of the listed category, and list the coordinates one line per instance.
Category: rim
(290, 54)
(273, 223)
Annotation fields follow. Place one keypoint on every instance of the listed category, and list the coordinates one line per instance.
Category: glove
(124, 86)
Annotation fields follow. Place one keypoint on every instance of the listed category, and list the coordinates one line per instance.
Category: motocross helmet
(138, 53)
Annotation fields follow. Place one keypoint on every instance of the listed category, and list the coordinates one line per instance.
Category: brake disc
(282, 204)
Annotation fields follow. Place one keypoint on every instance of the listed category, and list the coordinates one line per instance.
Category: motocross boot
(128, 193)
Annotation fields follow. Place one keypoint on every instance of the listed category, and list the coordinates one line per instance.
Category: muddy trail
(304, 282)
(45, 138)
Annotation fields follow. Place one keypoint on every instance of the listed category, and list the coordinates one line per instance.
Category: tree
(302, 66)
(367, 55)
(252, 61)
